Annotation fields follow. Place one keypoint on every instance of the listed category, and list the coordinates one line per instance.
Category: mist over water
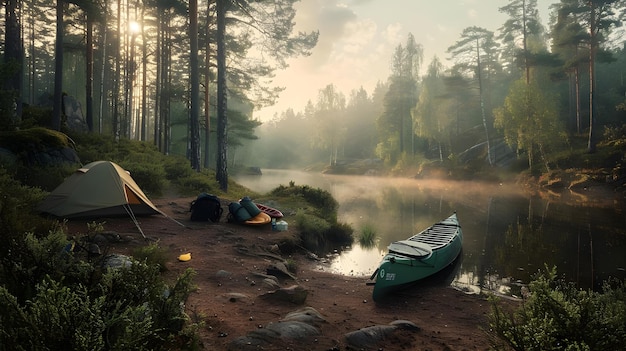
(509, 235)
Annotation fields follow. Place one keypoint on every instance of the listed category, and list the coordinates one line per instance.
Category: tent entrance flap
(131, 197)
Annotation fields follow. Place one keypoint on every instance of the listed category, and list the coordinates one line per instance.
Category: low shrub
(198, 182)
(45, 177)
(58, 301)
(149, 176)
(152, 254)
(17, 205)
(321, 236)
(322, 202)
(557, 315)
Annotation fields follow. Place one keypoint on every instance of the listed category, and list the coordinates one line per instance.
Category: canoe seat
(411, 248)
(437, 236)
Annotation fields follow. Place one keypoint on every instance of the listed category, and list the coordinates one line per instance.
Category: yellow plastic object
(185, 257)
(261, 218)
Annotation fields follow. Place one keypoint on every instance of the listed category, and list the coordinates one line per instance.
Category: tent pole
(132, 216)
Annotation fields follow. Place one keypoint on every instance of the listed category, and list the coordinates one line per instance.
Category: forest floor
(231, 304)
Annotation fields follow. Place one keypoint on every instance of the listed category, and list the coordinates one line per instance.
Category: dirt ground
(230, 304)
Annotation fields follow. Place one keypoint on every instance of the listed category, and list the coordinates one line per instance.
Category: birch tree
(473, 54)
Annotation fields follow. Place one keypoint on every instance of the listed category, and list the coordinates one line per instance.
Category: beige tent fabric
(98, 189)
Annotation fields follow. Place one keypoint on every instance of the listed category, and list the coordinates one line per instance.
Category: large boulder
(37, 147)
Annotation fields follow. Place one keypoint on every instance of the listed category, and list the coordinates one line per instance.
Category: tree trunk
(144, 83)
(482, 103)
(195, 85)
(31, 71)
(157, 88)
(89, 74)
(58, 66)
(116, 86)
(167, 83)
(207, 92)
(13, 54)
(591, 145)
(102, 75)
(221, 172)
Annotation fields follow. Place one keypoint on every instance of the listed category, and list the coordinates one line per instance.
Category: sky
(357, 39)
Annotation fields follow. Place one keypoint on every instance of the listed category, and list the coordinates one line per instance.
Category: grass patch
(152, 254)
(368, 236)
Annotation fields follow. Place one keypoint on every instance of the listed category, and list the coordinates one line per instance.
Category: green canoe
(418, 257)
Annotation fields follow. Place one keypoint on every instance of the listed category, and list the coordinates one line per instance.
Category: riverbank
(231, 301)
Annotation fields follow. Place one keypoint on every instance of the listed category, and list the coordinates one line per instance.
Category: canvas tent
(99, 189)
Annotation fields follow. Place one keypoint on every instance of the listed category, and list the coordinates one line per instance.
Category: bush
(198, 182)
(57, 318)
(45, 177)
(51, 297)
(58, 301)
(149, 176)
(320, 236)
(152, 254)
(324, 205)
(17, 205)
(558, 316)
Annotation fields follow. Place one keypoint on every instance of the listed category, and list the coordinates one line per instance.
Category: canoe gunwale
(400, 269)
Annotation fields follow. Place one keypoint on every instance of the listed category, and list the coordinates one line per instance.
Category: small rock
(234, 297)
(294, 294)
(223, 274)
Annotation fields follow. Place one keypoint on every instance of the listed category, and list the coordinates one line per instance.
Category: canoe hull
(270, 211)
(398, 271)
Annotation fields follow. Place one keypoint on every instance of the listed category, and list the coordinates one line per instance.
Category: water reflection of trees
(509, 235)
(576, 240)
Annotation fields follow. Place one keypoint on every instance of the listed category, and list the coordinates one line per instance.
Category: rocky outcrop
(37, 147)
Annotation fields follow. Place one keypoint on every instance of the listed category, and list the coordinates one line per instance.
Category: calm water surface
(509, 235)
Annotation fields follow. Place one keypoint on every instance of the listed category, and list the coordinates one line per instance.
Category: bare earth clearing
(231, 304)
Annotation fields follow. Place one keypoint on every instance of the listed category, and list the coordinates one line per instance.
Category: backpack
(206, 207)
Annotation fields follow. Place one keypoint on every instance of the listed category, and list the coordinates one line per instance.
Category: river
(509, 235)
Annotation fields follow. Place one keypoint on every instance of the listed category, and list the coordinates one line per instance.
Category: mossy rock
(39, 146)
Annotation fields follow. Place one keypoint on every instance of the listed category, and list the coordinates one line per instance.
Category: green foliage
(152, 254)
(614, 135)
(32, 139)
(292, 265)
(17, 204)
(57, 301)
(558, 316)
(324, 205)
(367, 237)
(529, 120)
(33, 116)
(57, 318)
(51, 298)
(151, 176)
(321, 236)
(45, 177)
(340, 233)
(95, 147)
(28, 261)
(198, 182)
(177, 167)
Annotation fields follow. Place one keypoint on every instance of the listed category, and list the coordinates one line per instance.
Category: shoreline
(231, 299)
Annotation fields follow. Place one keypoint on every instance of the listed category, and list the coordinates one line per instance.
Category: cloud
(330, 18)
